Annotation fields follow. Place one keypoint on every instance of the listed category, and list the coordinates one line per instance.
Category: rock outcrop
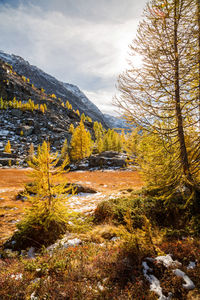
(104, 160)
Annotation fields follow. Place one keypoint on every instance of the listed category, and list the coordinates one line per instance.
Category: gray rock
(16, 112)
(25, 130)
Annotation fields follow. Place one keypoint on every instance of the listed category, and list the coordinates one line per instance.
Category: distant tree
(42, 109)
(71, 128)
(31, 152)
(88, 119)
(24, 78)
(81, 143)
(64, 152)
(100, 145)
(83, 117)
(1, 103)
(130, 142)
(98, 132)
(45, 107)
(68, 105)
(107, 142)
(53, 96)
(7, 147)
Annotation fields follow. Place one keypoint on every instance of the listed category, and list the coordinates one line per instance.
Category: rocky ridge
(23, 127)
(62, 90)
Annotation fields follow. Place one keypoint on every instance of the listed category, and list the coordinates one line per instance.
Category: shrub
(116, 210)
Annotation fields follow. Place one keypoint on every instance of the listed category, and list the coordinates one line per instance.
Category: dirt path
(107, 184)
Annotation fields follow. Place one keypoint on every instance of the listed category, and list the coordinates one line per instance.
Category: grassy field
(12, 181)
(115, 241)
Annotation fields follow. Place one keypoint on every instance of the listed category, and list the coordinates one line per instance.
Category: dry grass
(13, 180)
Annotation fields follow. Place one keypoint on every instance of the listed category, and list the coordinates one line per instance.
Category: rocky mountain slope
(62, 90)
(29, 123)
(116, 122)
(25, 125)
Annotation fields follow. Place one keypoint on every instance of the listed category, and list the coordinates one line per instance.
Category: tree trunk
(198, 20)
(181, 136)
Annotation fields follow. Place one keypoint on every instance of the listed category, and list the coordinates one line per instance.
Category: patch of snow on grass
(17, 276)
(167, 261)
(191, 265)
(189, 285)
(33, 297)
(73, 242)
(154, 282)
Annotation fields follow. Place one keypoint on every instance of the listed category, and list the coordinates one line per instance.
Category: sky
(83, 42)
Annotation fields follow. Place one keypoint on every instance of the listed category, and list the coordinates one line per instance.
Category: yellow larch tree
(81, 143)
(7, 148)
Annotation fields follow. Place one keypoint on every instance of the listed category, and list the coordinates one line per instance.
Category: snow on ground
(5, 190)
(167, 261)
(191, 265)
(87, 202)
(154, 282)
(189, 285)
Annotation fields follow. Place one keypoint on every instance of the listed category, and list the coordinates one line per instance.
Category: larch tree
(31, 152)
(81, 143)
(98, 133)
(157, 96)
(64, 152)
(71, 128)
(47, 216)
(7, 147)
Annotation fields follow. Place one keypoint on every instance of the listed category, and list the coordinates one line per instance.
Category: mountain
(24, 121)
(116, 122)
(62, 90)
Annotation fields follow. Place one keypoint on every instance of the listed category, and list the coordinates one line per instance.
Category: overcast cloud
(83, 42)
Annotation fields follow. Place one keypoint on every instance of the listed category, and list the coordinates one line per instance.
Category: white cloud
(72, 48)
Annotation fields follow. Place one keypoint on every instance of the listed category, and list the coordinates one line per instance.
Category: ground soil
(106, 183)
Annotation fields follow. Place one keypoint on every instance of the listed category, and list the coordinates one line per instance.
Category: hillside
(62, 90)
(116, 122)
(30, 125)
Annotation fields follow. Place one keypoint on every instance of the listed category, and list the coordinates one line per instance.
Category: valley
(106, 183)
(102, 204)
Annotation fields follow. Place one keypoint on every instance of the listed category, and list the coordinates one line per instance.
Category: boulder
(26, 130)
(79, 188)
(104, 160)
